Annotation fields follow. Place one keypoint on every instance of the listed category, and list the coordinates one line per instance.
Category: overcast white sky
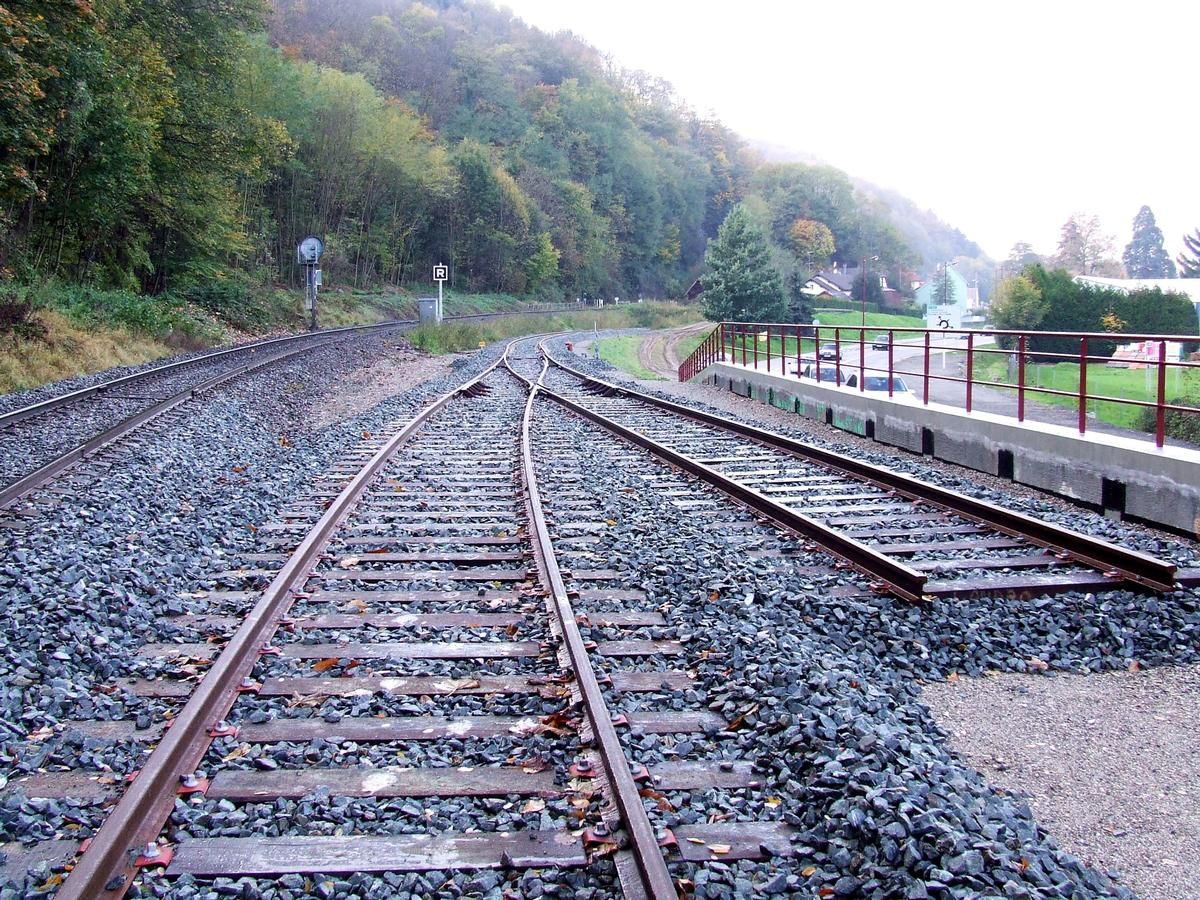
(1003, 118)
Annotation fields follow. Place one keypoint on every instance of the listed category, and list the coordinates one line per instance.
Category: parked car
(881, 341)
(879, 384)
(829, 374)
(829, 351)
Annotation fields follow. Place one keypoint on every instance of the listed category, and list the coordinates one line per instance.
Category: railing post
(756, 350)
(768, 349)
(1021, 378)
(862, 359)
(837, 355)
(970, 365)
(817, 352)
(721, 329)
(891, 368)
(742, 329)
(925, 378)
(1160, 411)
(1082, 385)
(798, 329)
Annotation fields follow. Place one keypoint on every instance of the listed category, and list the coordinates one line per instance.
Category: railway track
(393, 618)
(445, 662)
(911, 538)
(76, 425)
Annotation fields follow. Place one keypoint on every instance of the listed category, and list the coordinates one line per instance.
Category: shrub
(16, 315)
(1182, 426)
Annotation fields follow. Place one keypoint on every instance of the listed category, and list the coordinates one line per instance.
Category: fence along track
(879, 494)
(367, 511)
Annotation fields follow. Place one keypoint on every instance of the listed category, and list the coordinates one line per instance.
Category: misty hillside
(182, 151)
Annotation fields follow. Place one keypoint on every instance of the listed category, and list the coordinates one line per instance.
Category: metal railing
(787, 349)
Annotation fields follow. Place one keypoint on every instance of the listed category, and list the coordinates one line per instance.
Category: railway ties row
(912, 538)
(415, 687)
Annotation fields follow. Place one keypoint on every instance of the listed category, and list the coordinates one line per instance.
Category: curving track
(912, 538)
(427, 667)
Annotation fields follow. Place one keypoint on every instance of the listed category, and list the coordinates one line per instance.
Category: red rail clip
(155, 855)
(223, 729)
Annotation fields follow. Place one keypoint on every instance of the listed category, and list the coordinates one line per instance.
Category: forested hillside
(180, 149)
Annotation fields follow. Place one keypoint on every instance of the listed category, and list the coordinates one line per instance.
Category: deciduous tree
(1084, 249)
(1018, 304)
(811, 242)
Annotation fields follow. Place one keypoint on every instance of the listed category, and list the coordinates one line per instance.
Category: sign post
(308, 254)
(441, 273)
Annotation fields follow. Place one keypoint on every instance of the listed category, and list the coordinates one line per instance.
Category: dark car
(881, 341)
(828, 373)
(829, 351)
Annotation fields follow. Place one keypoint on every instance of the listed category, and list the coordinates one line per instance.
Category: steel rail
(44, 406)
(1131, 565)
(51, 470)
(656, 881)
(105, 869)
(899, 579)
(12, 417)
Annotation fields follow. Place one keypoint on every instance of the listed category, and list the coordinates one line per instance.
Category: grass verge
(622, 352)
(68, 350)
(453, 337)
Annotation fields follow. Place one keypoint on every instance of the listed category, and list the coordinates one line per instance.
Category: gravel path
(1110, 763)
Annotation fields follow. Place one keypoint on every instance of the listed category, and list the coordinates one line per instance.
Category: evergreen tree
(1189, 259)
(1144, 255)
(741, 284)
(943, 290)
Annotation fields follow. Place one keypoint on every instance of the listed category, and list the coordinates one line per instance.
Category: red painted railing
(786, 349)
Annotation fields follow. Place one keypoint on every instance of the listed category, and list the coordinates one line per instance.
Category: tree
(741, 284)
(874, 290)
(1019, 257)
(1018, 304)
(1083, 248)
(1144, 255)
(943, 289)
(1189, 259)
(811, 242)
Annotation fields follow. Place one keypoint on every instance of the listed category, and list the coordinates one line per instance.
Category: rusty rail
(105, 869)
(655, 879)
(1130, 565)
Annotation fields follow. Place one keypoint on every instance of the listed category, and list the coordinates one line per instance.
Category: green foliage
(1018, 305)
(16, 315)
(1182, 426)
(1079, 307)
(741, 285)
(874, 291)
(1145, 256)
(1189, 259)
(943, 289)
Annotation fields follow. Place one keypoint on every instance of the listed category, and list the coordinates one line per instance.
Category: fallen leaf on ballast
(325, 665)
(534, 805)
(349, 562)
(719, 848)
(1035, 663)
